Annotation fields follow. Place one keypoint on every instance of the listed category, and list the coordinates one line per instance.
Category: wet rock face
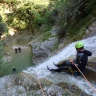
(41, 50)
(25, 84)
(52, 91)
(91, 31)
(71, 90)
(55, 90)
(61, 90)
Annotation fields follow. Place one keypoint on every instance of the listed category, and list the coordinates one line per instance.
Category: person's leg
(14, 70)
(78, 73)
(59, 69)
(65, 63)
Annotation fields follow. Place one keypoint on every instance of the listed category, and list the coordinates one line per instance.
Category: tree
(1, 48)
(3, 28)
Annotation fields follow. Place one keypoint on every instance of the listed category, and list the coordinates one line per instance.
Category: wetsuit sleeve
(88, 52)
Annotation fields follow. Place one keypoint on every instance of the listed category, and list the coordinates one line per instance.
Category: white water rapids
(42, 71)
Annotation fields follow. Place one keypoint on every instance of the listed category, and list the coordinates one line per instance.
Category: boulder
(91, 31)
(42, 50)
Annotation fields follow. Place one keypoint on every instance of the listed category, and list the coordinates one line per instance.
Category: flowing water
(23, 60)
(42, 72)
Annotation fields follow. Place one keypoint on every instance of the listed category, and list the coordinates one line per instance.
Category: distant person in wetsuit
(14, 69)
(19, 49)
(16, 50)
(81, 61)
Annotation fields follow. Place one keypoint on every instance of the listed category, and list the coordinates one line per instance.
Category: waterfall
(42, 71)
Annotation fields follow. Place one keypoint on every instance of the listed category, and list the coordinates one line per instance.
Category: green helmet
(79, 44)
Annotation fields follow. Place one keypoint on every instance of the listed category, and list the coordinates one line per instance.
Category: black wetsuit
(81, 61)
(19, 49)
(16, 50)
(14, 70)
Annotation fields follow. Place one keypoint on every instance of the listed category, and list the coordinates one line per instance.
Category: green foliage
(79, 30)
(48, 17)
(36, 16)
(0, 18)
(70, 12)
(55, 47)
(27, 16)
(90, 4)
(61, 32)
(1, 55)
(11, 3)
(58, 4)
(3, 27)
(71, 9)
(46, 35)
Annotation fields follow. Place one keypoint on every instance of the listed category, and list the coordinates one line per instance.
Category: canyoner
(80, 61)
(77, 66)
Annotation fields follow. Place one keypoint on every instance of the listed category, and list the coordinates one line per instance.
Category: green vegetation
(74, 14)
(3, 27)
(55, 47)
(67, 94)
(46, 35)
(1, 55)
(30, 15)
(79, 30)
(39, 16)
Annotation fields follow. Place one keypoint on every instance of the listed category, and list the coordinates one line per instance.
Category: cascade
(41, 69)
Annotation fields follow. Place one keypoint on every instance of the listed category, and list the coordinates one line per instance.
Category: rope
(40, 84)
(85, 78)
